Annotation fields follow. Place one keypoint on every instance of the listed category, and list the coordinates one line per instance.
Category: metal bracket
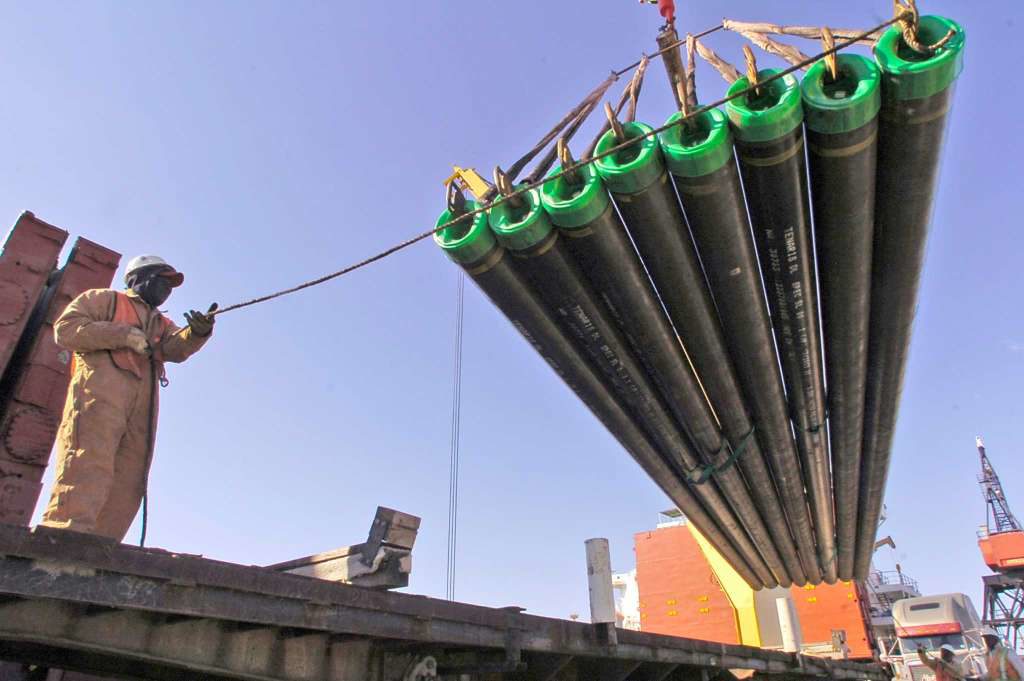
(467, 179)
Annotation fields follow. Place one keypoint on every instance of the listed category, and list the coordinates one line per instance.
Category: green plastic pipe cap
(572, 205)
(520, 227)
(699, 148)
(770, 115)
(846, 103)
(634, 168)
(468, 241)
(912, 75)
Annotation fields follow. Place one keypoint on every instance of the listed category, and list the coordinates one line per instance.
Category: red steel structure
(826, 609)
(37, 371)
(1001, 541)
(679, 593)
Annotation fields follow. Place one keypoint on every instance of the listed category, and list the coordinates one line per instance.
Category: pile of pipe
(674, 285)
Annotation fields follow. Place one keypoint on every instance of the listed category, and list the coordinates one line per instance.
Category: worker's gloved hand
(201, 324)
(138, 342)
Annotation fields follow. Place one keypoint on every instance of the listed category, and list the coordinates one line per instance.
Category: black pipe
(917, 92)
(474, 248)
(842, 146)
(640, 185)
(770, 145)
(541, 255)
(597, 239)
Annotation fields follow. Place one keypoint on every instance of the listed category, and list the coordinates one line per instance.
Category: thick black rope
(530, 186)
(588, 104)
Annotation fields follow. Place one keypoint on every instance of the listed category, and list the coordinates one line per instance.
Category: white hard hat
(946, 646)
(989, 631)
(141, 261)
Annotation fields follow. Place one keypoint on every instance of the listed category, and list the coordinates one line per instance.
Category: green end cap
(769, 116)
(912, 75)
(522, 227)
(847, 103)
(468, 241)
(572, 206)
(697, 149)
(636, 167)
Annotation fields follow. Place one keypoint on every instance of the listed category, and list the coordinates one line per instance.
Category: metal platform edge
(98, 606)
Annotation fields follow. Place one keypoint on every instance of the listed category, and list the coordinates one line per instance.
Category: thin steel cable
(456, 425)
(529, 186)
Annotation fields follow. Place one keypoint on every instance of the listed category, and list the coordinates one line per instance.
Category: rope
(787, 52)
(910, 20)
(690, 83)
(595, 95)
(530, 186)
(635, 85)
(699, 476)
(810, 32)
(549, 158)
(828, 41)
(748, 55)
(606, 126)
(698, 36)
(724, 68)
(456, 426)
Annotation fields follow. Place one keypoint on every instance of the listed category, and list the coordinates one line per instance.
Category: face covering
(151, 287)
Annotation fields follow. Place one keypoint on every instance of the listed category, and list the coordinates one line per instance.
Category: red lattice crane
(1001, 541)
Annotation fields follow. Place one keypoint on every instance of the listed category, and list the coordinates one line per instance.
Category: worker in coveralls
(946, 667)
(120, 342)
(1001, 662)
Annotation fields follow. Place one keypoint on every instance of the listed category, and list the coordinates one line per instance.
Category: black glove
(201, 324)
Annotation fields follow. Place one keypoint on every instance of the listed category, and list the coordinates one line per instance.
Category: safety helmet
(949, 648)
(989, 632)
(142, 261)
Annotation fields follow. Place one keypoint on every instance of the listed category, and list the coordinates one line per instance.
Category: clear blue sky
(257, 144)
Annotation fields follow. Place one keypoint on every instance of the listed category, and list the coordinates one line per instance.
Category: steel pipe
(917, 92)
(474, 248)
(542, 256)
(769, 141)
(700, 158)
(841, 116)
(597, 239)
(640, 186)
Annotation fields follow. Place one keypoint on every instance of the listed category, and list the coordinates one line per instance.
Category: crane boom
(999, 517)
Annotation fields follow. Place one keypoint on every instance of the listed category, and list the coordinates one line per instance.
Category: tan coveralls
(102, 447)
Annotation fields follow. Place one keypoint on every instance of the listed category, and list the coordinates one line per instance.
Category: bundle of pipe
(841, 117)
(700, 156)
(473, 247)
(597, 239)
(639, 184)
(676, 344)
(770, 146)
(917, 91)
(544, 257)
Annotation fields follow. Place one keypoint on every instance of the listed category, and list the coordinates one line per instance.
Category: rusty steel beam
(116, 602)
(34, 387)
(29, 256)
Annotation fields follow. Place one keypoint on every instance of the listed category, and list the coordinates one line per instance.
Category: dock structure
(91, 605)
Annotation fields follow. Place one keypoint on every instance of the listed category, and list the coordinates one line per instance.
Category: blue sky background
(258, 144)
